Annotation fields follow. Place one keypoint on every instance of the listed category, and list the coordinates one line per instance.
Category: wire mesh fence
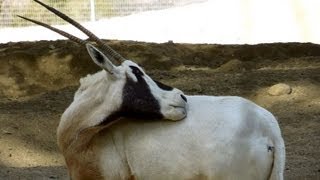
(80, 10)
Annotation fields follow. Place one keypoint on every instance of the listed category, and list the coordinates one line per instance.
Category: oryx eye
(136, 71)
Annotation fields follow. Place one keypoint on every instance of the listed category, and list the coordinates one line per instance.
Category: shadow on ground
(37, 82)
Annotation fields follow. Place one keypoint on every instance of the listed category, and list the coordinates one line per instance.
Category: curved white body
(221, 138)
(227, 138)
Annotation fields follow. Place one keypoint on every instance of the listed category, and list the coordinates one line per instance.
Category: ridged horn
(65, 34)
(110, 52)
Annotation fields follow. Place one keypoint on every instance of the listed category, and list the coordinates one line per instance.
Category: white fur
(221, 137)
(100, 94)
(225, 138)
(171, 104)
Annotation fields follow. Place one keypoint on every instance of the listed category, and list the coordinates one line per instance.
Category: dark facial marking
(184, 98)
(163, 86)
(136, 71)
(138, 101)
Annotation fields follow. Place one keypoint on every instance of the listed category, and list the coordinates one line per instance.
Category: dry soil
(38, 80)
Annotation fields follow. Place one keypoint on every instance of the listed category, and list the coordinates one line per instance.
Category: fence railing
(80, 10)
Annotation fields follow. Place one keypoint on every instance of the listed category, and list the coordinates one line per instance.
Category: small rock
(279, 89)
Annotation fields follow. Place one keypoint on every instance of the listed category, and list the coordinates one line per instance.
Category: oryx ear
(100, 59)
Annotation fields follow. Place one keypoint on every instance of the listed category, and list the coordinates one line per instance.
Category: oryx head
(125, 88)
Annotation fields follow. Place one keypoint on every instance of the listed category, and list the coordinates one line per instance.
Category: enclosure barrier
(81, 10)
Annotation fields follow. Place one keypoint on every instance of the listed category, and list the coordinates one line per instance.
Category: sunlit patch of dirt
(38, 80)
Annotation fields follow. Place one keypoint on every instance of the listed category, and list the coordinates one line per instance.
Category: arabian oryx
(118, 127)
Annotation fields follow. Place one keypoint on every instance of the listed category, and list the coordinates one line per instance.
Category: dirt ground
(38, 80)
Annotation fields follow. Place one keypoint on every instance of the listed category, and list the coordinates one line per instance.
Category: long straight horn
(67, 35)
(93, 37)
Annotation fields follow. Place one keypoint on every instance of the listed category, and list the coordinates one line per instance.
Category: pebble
(279, 89)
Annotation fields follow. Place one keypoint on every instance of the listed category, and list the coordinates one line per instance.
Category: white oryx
(118, 127)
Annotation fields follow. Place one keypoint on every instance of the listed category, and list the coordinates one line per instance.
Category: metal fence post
(92, 11)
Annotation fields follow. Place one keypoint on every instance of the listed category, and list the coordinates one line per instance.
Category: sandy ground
(37, 82)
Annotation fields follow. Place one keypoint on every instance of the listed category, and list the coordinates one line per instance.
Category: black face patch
(137, 100)
(163, 86)
(136, 71)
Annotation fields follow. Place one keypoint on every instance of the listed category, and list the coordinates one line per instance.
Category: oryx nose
(184, 98)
